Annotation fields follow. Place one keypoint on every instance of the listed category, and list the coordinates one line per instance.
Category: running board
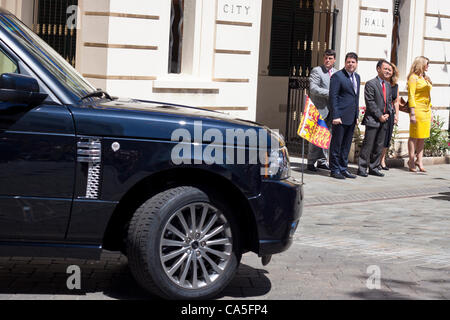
(50, 250)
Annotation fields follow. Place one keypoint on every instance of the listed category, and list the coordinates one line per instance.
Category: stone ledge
(427, 161)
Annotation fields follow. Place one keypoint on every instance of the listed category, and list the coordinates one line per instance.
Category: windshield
(48, 57)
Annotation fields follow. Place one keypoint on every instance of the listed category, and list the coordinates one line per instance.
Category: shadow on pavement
(99, 279)
(377, 295)
(297, 166)
(102, 280)
(442, 196)
(397, 287)
(248, 282)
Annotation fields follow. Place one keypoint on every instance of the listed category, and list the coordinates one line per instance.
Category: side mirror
(18, 88)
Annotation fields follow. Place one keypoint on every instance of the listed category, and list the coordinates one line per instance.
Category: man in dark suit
(378, 97)
(344, 104)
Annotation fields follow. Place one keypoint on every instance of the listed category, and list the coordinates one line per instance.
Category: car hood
(151, 107)
(131, 118)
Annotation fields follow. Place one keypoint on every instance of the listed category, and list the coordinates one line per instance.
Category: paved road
(397, 226)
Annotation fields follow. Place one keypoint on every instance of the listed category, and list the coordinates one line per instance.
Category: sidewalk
(399, 224)
(321, 189)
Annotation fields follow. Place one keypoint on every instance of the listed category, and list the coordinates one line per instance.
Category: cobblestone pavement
(399, 224)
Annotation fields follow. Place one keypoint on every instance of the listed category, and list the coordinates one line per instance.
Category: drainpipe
(333, 36)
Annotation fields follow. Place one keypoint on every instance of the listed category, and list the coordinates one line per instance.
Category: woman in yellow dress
(419, 99)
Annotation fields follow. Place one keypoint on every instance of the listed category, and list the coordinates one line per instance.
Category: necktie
(353, 81)
(384, 95)
(329, 73)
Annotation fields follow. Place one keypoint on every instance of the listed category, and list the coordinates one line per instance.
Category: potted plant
(437, 145)
(358, 139)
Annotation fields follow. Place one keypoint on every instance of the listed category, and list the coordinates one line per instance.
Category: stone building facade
(219, 54)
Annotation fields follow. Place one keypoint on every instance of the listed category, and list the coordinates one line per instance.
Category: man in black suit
(378, 97)
(344, 104)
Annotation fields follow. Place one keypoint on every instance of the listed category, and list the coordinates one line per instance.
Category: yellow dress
(419, 97)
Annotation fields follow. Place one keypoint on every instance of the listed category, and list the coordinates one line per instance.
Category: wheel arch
(209, 182)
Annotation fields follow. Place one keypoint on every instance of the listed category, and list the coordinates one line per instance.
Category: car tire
(199, 267)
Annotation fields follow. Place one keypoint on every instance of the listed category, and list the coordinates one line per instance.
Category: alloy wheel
(196, 246)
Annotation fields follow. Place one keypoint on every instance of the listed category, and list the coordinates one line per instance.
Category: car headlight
(277, 166)
(277, 137)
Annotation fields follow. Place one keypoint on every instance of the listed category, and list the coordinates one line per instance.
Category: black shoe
(362, 173)
(384, 168)
(311, 167)
(348, 175)
(337, 176)
(376, 172)
(323, 166)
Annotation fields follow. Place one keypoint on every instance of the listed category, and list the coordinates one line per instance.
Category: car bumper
(277, 210)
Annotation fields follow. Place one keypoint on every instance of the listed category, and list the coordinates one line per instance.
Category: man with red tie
(378, 97)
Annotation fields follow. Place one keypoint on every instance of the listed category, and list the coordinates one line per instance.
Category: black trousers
(341, 142)
(372, 147)
(389, 129)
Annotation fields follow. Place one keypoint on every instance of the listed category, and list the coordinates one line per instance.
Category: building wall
(436, 46)
(14, 6)
(125, 47)
(420, 36)
(23, 9)
(272, 91)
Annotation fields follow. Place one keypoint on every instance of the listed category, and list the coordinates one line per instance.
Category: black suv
(81, 171)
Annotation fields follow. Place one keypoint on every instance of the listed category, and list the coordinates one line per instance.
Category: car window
(7, 65)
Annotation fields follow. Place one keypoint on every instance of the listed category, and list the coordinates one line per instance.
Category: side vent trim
(90, 151)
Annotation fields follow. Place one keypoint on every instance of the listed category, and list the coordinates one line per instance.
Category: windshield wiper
(98, 93)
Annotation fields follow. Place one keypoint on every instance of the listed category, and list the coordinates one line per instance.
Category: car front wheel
(183, 245)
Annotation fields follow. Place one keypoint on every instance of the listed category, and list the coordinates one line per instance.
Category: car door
(37, 164)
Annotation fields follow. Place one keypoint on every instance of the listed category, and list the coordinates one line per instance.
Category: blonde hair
(395, 74)
(418, 68)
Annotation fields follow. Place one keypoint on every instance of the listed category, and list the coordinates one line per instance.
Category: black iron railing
(311, 49)
(55, 22)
